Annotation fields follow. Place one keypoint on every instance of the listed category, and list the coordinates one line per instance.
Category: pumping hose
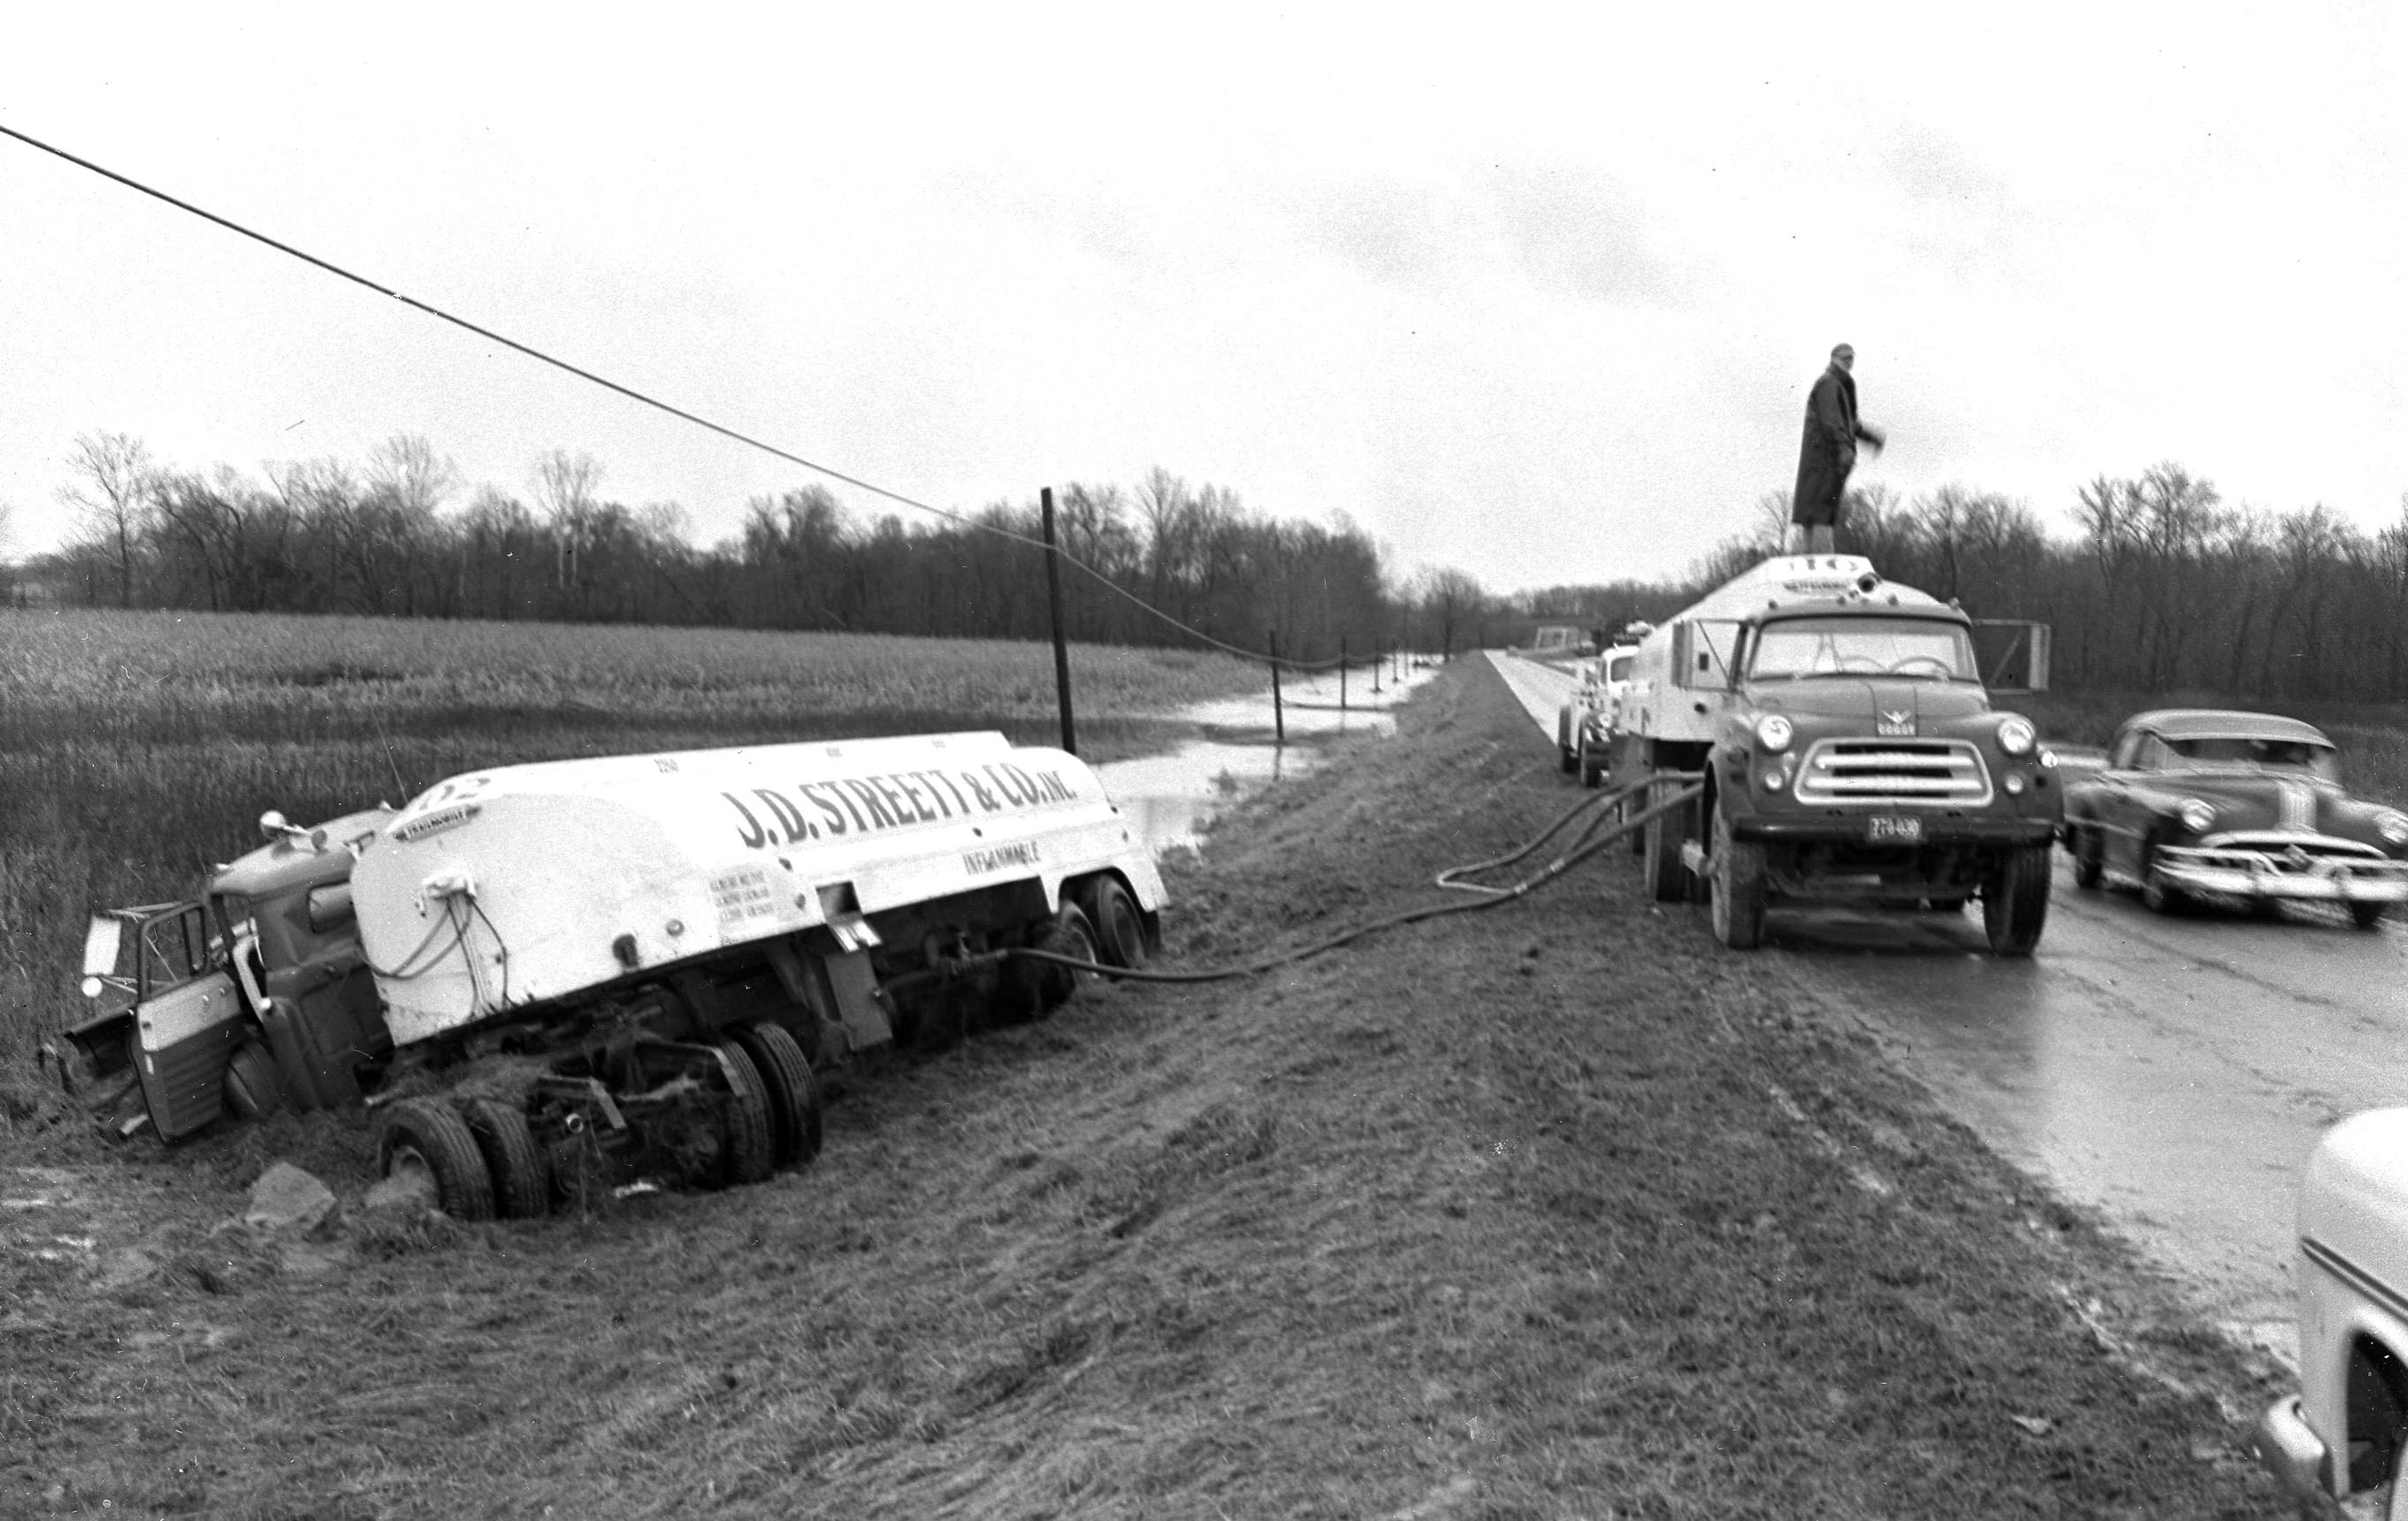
(1602, 830)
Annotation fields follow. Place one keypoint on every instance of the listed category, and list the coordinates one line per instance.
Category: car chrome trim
(2289, 1449)
(2355, 1276)
(1861, 770)
(2335, 876)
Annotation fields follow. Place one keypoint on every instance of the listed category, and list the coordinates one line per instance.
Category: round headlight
(2016, 736)
(2196, 814)
(2393, 826)
(1772, 732)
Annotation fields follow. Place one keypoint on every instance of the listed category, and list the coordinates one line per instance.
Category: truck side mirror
(101, 942)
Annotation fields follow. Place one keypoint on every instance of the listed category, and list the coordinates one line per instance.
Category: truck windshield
(1919, 647)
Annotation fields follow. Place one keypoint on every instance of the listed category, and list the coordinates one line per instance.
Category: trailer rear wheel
(426, 1139)
(2014, 901)
(793, 1093)
(1070, 934)
(522, 1173)
(1738, 911)
(745, 1129)
(1120, 934)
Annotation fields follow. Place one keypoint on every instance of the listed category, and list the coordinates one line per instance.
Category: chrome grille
(1892, 771)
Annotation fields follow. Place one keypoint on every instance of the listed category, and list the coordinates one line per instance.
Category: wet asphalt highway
(2173, 1072)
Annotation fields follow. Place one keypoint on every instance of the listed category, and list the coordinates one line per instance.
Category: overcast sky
(1536, 294)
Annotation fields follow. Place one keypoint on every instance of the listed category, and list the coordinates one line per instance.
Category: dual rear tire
(479, 1158)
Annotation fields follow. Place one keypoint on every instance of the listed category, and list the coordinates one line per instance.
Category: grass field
(138, 748)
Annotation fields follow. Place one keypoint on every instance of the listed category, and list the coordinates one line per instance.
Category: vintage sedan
(2246, 806)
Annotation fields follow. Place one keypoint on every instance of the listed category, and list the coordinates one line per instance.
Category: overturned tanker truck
(633, 964)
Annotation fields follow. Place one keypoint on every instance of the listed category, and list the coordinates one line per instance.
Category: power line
(648, 400)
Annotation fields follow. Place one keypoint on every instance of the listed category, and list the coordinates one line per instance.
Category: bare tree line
(393, 537)
(2160, 587)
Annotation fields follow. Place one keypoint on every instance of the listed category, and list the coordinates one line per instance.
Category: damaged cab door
(170, 1013)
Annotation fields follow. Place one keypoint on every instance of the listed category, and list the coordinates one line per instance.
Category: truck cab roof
(309, 858)
(1814, 583)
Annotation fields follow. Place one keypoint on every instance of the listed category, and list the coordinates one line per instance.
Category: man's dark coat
(1829, 451)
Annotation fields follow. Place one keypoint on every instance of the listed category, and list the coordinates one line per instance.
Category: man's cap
(1839, 349)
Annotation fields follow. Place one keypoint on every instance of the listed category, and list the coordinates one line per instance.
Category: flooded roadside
(1169, 798)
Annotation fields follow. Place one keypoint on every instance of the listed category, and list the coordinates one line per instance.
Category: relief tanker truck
(1847, 749)
(634, 963)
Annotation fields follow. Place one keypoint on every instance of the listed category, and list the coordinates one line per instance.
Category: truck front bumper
(2291, 1451)
(1855, 829)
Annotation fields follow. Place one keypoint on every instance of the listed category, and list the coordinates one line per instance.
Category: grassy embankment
(135, 749)
(1552, 1211)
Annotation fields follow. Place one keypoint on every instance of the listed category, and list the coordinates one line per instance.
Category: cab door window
(176, 948)
(1703, 651)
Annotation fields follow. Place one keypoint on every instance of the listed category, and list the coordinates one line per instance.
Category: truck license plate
(1886, 829)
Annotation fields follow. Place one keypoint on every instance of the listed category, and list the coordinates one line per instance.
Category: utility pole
(1061, 640)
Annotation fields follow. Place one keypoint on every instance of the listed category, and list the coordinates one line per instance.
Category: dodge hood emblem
(1900, 722)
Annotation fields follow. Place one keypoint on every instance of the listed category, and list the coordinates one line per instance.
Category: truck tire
(1592, 769)
(1120, 933)
(752, 1147)
(1668, 879)
(521, 1171)
(1565, 761)
(428, 1138)
(2090, 857)
(1070, 934)
(2014, 901)
(1738, 911)
(252, 1089)
(2367, 915)
(793, 1093)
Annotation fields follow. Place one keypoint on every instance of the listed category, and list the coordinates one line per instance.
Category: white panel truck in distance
(633, 965)
(1848, 753)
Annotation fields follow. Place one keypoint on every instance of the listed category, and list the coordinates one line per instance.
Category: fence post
(1341, 676)
(1061, 642)
(1278, 711)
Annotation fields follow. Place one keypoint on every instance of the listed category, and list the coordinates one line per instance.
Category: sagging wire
(1591, 841)
(654, 402)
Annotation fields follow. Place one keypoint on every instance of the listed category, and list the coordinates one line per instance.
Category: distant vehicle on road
(2199, 802)
(1584, 725)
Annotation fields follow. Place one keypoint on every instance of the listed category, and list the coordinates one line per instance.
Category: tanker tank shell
(498, 889)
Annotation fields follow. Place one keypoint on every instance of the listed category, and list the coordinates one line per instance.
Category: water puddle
(1169, 798)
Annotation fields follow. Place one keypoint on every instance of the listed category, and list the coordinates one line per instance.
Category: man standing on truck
(1827, 455)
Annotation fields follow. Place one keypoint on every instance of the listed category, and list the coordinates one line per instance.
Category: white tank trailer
(619, 967)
